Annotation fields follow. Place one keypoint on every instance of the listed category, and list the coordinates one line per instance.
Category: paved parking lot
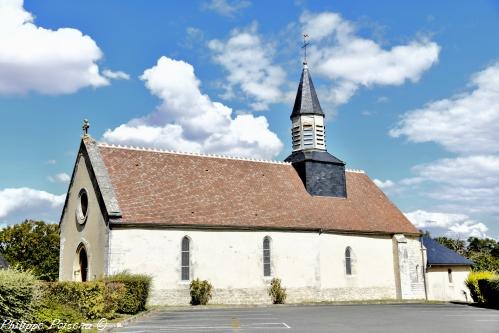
(417, 318)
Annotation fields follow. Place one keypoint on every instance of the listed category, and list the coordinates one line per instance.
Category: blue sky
(411, 92)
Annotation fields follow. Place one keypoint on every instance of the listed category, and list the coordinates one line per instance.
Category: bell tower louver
(308, 131)
(322, 173)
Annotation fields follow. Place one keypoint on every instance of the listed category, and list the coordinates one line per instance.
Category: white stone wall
(439, 287)
(410, 265)
(311, 265)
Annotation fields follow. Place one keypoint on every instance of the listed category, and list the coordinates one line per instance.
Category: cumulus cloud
(115, 75)
(468, 184)
(351, 61)
(456, 225)
(248, 61)
(60, 178)
(465, 123)
(42, 60)
(384, 185)
(189, 120)
(225, 7)
(17, 204)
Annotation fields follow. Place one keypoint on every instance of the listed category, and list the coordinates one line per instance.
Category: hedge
(472, 284)
(489, 289)
(50, 313)
(95, 299)
(17, 292)
(137, 287)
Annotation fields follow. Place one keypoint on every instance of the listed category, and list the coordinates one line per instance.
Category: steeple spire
(308, 130)
(322, 173)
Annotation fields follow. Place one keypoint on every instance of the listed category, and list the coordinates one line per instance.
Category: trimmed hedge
(95, 299)
(489, 289)
(50, 313)
(17, 293)
(137, 287)
(472, 284)
(200, 292)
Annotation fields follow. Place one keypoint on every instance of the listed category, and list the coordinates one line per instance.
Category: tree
(486, 245)
(454, 244)
(32, 245)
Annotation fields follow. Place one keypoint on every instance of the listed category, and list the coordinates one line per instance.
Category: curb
(131, 319)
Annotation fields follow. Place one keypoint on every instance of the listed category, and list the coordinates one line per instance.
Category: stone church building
(329, 233)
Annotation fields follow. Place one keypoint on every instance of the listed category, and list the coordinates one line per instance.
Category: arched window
(266, 256)
(449, 275)
(185, 265)
(348, 261)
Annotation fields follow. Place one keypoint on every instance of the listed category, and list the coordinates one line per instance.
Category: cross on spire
(304, 47)
(85, 127)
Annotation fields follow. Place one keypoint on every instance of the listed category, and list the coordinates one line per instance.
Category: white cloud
(17, 204)
(60, 178)
(465, 123)
(189, 120)
(248, 60)
(51, 162)
(384, 185)
(41, 60)
(227, 8)
(118, 75)
(351, 61)
(456, 225)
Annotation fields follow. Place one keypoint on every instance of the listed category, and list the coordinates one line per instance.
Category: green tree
(32, 245)
(454, 244)
(485, 245)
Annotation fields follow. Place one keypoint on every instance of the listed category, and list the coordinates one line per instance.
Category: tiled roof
(175, 189)
(439, 254)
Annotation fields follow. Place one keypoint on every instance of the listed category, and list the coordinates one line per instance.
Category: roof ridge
(355, 170)
(157, 150)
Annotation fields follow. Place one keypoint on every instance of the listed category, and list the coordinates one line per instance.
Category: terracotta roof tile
(183, 189)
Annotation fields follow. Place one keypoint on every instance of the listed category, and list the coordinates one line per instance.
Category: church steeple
(322, 173)
(308, 130)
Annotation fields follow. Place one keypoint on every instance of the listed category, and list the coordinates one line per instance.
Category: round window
(82, 208)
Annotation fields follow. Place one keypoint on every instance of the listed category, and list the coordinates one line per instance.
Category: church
(329, 233)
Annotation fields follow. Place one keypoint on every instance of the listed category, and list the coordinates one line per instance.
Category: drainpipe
(423, 268)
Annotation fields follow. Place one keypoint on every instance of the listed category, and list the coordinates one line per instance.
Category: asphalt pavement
(382, 318)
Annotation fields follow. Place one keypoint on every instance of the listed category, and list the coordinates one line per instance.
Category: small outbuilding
(446, 272)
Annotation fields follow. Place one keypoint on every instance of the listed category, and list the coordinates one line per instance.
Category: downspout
(423, 267)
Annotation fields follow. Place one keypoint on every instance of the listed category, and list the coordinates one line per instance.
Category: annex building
(328, 233)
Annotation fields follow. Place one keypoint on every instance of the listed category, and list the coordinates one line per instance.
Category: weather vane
(85, 127)
(304, 47)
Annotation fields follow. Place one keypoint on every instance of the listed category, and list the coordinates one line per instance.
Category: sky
(410, 91)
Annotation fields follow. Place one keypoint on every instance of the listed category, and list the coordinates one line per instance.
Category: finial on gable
(85, 127)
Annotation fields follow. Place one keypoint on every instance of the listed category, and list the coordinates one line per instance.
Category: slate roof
(439, 254)
(306, 101)
(177, 189)
(3, 262)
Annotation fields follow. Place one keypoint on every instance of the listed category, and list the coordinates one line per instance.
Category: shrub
(277, 292)
(86, 297)
(136, 292)
(17, 292)
(200, 292)
(489, 289)
(50, 315)
(472, 284)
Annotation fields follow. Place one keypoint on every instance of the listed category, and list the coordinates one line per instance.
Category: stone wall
(409, 259)
(310, 265)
